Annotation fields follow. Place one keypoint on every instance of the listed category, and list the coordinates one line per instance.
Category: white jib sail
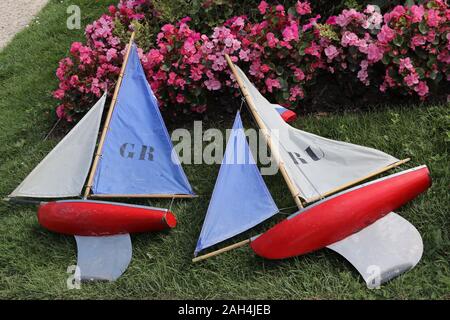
(315, 164)
(63, 171)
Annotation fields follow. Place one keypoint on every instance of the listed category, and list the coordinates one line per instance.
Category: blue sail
(138, 156)
(240, 199)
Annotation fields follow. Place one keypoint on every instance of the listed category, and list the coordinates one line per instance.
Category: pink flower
(295, 92)
(386, 34)
(375, 53)
(264, 68)
(74, 80)
(111, 54)
(290, 32)
(433, 18)
(303, 8)
(59, 94)
(172, 77)
(272, 83)
(180, 98)
(349, 38)
(348, 16)
(417, 13)
(299, 74)
(243, 55)
(189, 46)
(331, 52)
(405, 64)
(75, 47)
(180, 83)
(112, 9)
(85, 55)
(271, 40)
(331, 20)
(313, 50)
(263, 7)
(168, 28)
(362, 73)
(60, 112)
(312, 22)
(280, 8)
(422, 89)
(154, 57)
(396, 13)
(213, 84)
(411, 79)
(196, 73)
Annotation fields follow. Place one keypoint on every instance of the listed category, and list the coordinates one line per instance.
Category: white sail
(63, 171)
(315, 164)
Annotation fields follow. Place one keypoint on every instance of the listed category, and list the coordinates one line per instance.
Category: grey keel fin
(383, 250)
(103, 258)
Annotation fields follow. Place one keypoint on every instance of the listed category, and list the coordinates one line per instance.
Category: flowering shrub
(280, 53)
(92, 68)
(416, 44)
(412, 44)
(175, 69)
(282, 49)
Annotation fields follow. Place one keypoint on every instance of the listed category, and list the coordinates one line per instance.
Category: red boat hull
(338, 217)
(97, 218)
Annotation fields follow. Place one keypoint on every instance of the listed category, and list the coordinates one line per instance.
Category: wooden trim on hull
(359, 180)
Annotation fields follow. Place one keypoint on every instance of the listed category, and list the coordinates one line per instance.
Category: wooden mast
(108, 120)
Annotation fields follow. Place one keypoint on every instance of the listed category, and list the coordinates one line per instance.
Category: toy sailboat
(134, 159)
(358, 223)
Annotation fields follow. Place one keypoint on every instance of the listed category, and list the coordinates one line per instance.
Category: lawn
(33, 261)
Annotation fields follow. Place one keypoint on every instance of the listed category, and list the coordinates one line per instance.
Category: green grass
(33, 261)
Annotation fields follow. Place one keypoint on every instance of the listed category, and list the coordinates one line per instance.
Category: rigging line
(242, 103)
(287, 208)
(171, 203)
(53, 128)
(281, 210)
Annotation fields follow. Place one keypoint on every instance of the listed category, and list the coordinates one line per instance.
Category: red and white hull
(99, 218)
(340, 216)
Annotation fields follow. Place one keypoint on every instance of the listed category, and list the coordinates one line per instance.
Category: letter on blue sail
(138, 156)
(240, 199)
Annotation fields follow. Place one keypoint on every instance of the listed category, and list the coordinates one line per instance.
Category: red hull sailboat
(357, 223)
(134, 158)
(99, 218)
(340, 216)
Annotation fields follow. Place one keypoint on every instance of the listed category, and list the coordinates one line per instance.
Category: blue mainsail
(138, 156)
(240, 199)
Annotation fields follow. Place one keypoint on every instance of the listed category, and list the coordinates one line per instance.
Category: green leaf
(420, 72)
(279, 70)
(433, 74)
(398, 41)
(292, 11)
(283, 83)
(409, 3)
(439, 77)
(423, 28)
(165, 67)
